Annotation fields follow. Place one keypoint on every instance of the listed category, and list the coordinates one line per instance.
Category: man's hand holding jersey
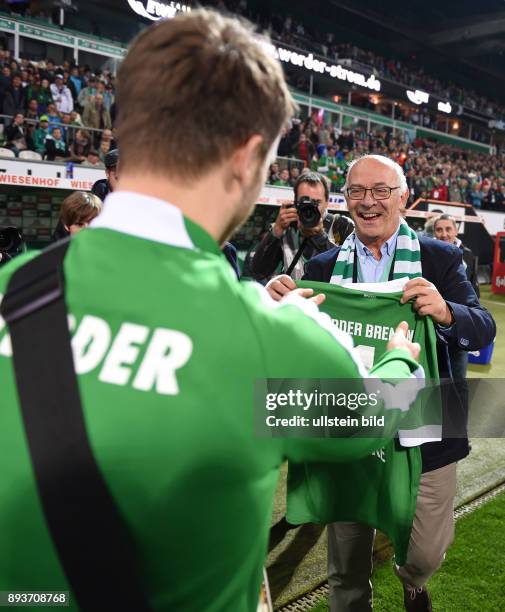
(427, 300)
(284, 285)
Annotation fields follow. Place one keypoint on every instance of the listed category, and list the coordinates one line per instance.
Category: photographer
(11, 244)
(304, 224)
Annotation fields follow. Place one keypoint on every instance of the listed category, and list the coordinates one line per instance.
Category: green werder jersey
(167, 346)
(380, 490)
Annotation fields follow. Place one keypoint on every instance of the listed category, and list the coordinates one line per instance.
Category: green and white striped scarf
(407, 262)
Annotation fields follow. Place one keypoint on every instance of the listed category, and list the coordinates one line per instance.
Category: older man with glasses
(383, 248)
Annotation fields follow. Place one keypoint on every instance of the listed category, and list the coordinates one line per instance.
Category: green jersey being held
(167, 346)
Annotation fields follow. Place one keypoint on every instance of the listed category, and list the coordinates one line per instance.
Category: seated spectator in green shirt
(41, 133)
(56, 147)
(283, 180)
(43, 96)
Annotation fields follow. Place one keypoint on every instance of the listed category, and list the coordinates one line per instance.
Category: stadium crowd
(67, 113)
(284, 28)
(434, 170)
(61, 112)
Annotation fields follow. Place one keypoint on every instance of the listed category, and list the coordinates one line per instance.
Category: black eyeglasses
(379, 193)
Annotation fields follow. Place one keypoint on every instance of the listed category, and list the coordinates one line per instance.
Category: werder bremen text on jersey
(166, 351)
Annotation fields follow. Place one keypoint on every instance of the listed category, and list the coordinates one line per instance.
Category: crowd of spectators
(412, 74)
(434, 170)
(285, 29)
(66, 113)
(61, 112)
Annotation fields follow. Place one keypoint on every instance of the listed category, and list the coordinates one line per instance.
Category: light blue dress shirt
(372, 270)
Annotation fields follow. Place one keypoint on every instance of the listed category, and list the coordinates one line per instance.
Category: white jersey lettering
(123, 353)
(168, 351)
(90, 343)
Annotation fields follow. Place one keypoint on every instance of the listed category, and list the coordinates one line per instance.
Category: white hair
(387, 161)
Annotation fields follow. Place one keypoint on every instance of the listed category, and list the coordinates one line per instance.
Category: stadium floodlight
(154, 11)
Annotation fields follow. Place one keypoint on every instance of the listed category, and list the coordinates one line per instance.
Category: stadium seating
(6, 152)
(32, 155)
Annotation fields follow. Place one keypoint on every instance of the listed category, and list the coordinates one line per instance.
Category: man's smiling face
(376, 220)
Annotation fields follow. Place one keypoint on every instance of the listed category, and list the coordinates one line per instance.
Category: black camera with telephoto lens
(308, 211)
(11, 243)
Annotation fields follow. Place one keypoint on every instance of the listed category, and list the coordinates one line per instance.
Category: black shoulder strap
(93, 543)
(296, 257)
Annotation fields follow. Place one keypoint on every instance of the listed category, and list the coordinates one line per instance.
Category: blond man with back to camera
(167, 343)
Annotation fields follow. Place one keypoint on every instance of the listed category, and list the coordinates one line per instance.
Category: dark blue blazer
(474, 328)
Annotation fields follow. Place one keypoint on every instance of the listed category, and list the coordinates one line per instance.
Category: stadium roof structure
(458, 40)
